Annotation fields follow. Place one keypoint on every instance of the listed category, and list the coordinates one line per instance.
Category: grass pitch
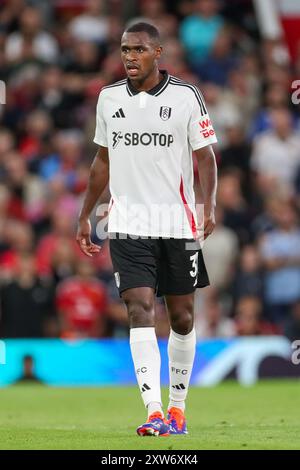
(229, 416)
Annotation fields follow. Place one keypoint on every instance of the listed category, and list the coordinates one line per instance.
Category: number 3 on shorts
(194, 272)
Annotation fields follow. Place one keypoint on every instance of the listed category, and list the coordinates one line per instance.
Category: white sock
(153, 407)
(146, 358)
(181, 351)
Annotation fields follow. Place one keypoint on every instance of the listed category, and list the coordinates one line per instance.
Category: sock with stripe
(181, 351)
(146, 358)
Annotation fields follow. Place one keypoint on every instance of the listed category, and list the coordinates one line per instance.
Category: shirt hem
(154, 235)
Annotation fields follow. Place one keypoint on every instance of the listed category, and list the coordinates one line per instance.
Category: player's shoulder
(191, 91)
(114, 87)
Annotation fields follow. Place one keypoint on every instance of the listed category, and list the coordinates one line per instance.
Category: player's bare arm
(207, 169)
(98, 179)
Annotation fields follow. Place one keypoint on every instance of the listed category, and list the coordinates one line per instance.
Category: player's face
(139, 54)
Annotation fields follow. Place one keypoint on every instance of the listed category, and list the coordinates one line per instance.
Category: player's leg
(146, 356)
(181, 352)
(181, 271)
(136, 275)
(143, 343)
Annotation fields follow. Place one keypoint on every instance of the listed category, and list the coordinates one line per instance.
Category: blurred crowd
(54, 59)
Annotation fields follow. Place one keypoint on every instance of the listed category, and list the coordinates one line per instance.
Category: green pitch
(226, 417)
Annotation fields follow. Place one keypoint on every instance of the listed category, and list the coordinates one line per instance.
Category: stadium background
(61, 317)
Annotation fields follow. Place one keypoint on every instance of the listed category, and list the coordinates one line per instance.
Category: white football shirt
(150, 138)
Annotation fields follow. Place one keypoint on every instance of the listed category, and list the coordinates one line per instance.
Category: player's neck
(150, 82)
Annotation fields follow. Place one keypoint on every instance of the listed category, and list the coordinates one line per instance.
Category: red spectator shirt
(82, 302)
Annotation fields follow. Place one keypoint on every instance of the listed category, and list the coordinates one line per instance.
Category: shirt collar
(155, 91)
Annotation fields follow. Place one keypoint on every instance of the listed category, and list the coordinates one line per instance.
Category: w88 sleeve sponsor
(206, 128)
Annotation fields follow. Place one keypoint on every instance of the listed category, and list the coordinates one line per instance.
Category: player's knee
(140, 312)
(182, 321)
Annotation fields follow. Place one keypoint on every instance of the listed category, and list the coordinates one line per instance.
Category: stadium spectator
(85, 59)
(243, 93)
(198, 32)
(92, 24)
(223, 112)
(18, 239)
(31, 41)
(81, 303)
(236, 211)
(26, 302)
(154, 12)
(28, 193)
(236, 152)
(53, 97)
(28, 373)
(214, 323)
(36, 131)
(220, 252)
(249, 321)
(7, 144)
(221, 61)
(274, 97)
(265, 219)
(62, 165)
(276, 156)
(280, 251)
(249, 277)
(61, 231)
(63, 261)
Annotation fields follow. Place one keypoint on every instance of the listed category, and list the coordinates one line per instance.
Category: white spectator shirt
(45, 47)
(276, 157)
(150, 138)
(89, 28)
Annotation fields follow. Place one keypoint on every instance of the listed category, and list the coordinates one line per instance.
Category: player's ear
(158, 52)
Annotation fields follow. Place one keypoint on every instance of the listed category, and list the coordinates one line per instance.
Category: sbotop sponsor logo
(159, 219)
(134, 138)
(2, 92)
(2, 353)
(296, 353)
(296, 92)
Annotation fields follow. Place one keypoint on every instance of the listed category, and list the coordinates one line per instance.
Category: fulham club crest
(165, 112)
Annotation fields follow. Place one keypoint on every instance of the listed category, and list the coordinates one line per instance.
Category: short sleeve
(100, 132)
(200, 130)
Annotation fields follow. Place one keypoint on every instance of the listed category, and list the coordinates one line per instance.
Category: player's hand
(83, 238)
(209, 222)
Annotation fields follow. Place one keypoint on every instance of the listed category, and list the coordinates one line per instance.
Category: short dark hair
(142, 27)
